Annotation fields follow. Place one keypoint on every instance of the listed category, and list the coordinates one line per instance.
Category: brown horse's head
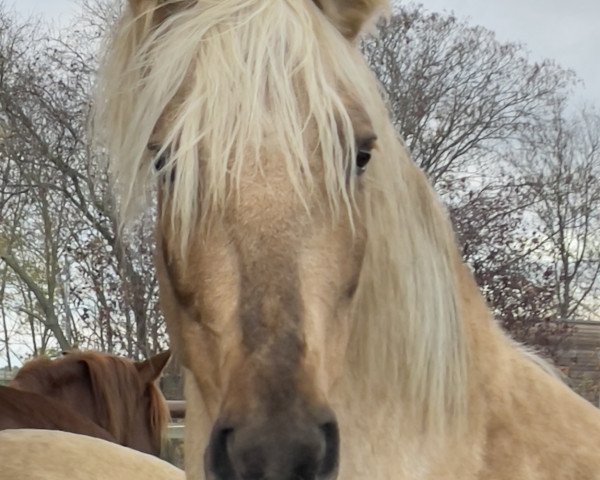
(117, 394)
(258, 120)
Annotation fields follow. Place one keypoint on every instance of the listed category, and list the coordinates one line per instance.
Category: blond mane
(282, 67)
(150, 69)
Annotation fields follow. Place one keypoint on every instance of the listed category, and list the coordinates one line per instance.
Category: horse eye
(161, 161)
(362, 159)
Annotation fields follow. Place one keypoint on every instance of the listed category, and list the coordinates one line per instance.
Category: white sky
(56, 9)
(567, 31)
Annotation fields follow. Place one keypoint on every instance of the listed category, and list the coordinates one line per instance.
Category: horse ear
(350, 16)
(151, 369)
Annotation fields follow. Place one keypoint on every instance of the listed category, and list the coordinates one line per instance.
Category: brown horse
(21, 409)
(309, 275)
(118, 395)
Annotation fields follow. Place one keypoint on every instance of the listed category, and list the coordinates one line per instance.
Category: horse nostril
(217, 454)
(234, 455)
(280, 449)
(318, 457)
(330, 461)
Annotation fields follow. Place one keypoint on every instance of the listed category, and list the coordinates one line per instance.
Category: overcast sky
(567, 31)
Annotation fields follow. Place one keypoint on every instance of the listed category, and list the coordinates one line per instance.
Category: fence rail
(6, 376)
(177, 408)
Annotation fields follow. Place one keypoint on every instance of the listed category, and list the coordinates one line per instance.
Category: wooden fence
(579, 358)
(177, 408)
(6, 376)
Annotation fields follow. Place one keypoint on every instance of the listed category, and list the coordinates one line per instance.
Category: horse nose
(280, 449)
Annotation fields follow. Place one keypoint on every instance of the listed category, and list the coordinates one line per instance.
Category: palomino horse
(115, 393)
(309, 275)
(53, 455)
(21, 409)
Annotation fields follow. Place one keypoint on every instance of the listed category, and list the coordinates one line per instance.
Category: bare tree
(561, 165)
(456, 93)
(96, 286)
(463, 101)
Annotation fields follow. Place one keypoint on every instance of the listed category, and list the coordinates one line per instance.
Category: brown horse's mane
(115, 385)
(23, 409)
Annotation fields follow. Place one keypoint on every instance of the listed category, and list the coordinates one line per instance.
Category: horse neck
(516, 399)
(81, 398)
(24, 409)
(501, 379)
(78, 394)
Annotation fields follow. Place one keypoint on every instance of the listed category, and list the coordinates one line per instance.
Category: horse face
(259, 309)
(257, 278)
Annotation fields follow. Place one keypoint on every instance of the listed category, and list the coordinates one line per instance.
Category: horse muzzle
(281, 447)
